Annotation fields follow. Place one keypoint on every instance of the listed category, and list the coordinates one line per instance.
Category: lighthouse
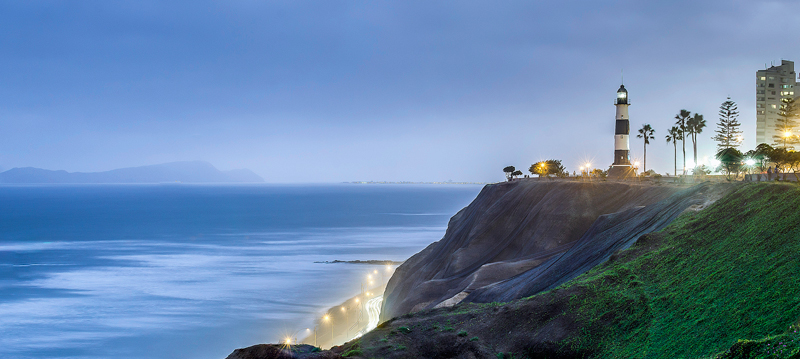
(621, 167)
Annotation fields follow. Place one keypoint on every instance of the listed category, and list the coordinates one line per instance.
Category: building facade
(772, 85)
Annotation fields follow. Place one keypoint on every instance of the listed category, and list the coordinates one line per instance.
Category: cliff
(519, 238)
(721, 280)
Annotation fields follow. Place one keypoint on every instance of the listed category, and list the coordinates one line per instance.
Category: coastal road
(374, 312)
(373, 307)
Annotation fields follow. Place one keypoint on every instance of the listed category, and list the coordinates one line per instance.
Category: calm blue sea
(191, 271)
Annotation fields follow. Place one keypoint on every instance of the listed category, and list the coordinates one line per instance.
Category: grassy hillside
(723, 281)
(727, 273)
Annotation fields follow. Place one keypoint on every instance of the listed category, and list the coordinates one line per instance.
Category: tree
(682, 117)
(548, 167)
(646, 132)
(785, 124)
(781, 157)
(599, 173)
(728, 133)
(509, 170)
(730, 161)
(762, 155)
(694, 126)
(673, 136)
(793, 164)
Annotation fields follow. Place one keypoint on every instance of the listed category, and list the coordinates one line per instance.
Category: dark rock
(277, 351)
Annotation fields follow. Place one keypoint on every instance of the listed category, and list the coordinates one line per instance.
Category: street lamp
(327, 319)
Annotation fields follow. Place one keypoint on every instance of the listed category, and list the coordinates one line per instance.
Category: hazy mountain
(185, 171)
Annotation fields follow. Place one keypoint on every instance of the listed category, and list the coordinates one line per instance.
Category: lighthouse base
(621, 172)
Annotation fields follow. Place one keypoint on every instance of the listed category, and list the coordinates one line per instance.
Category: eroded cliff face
(519, 238)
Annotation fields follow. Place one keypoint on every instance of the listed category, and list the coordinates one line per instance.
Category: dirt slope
(513, 228)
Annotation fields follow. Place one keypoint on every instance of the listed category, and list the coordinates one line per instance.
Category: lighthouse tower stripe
(621, 142)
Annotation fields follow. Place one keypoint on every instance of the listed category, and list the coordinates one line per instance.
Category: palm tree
(646, 132)
(674, 135)
(682, 117)
(694, 126)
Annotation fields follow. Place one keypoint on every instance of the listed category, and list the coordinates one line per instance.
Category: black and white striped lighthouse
(622, 133)
(622, 151)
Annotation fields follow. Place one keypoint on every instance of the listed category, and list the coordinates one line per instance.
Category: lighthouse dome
(622, 95)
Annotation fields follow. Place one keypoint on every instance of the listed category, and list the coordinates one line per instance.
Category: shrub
(462, 333)
(404, 330)
(352, 353)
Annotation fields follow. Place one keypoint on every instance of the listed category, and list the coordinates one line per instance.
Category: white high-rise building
(772, 85)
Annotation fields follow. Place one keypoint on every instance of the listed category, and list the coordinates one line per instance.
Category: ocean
(195, 271)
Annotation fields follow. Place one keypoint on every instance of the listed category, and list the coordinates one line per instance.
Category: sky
(332, 91)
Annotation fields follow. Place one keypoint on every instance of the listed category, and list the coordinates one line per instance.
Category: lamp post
(315, 334)
(327, 318)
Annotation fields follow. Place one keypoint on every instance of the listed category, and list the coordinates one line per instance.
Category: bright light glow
(750, 162)
(581, 168)
(621, 94)
(588, 165)
(787, 133)
(739, 138)
(636, 163)
(369, 276)
(356, 300)
(326, 318)
(388, 267)
(375, 271)
(288, 341)
(715, 162)
(689, 164)
(343, 309)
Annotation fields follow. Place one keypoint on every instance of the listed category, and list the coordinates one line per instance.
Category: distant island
(173, 172)
(410, 182)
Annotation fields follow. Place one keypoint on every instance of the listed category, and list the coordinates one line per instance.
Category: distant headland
(173, 172)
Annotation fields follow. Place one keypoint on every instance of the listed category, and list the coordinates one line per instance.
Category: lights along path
(373, 307)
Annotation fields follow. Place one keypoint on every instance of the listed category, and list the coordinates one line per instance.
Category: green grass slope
(729, 272)
(723, 282)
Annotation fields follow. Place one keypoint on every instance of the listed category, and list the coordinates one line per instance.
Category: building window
(760, 112)
(774, 106)
(759, 92)
(760, 85)
(771, 85)
(760, 99)
(762, 78)
(772, 92)
(759, 105)
(772, 77)
(786, 86)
